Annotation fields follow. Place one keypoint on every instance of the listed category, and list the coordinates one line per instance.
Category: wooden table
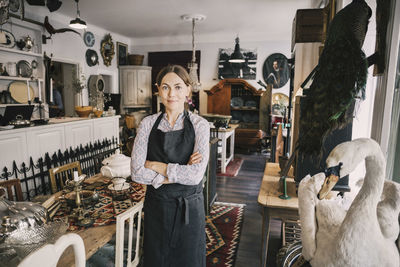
(273, 206)
(93, 238)
(224, 135)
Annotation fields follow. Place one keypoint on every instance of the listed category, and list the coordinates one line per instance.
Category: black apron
(174, 220)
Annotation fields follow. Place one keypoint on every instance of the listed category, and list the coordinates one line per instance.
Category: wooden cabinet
(135, 86)
(238, 98)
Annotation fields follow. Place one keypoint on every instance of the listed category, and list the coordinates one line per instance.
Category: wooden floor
(244, 189)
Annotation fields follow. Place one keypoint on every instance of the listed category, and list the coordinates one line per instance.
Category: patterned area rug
(223, 228)
(233, 168)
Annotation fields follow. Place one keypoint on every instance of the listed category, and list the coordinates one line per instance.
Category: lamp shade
(77, 24)
(237, 56)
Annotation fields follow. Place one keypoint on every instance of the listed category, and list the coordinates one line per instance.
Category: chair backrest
(49, 254)
(130, 214)
(13, 187)
(62, 173)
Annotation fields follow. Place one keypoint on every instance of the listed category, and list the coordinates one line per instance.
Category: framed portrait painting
(276, 70)
(122, 54)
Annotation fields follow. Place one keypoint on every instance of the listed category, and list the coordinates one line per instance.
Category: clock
(89, 39)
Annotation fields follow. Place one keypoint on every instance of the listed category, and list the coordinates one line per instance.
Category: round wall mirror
(276, 70)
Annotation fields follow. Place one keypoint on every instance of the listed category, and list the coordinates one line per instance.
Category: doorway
(63, 74)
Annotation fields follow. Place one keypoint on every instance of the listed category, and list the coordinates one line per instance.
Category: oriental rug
(233, 168)
(223, 229)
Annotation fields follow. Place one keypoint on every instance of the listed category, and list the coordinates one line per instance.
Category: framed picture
(276, 70)
(122, 54)
(246, 70)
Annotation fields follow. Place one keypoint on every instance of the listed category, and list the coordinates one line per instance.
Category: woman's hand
(195, 158)
(156, 166)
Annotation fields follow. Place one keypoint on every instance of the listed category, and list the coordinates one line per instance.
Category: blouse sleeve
(140, 174)
(193, 174)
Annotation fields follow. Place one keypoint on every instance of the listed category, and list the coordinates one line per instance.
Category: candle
(39, 90)
(51, 90)
(76, 177)
(29, 91)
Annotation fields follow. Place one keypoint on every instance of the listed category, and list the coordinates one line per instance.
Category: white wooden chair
(130, 214)
(48, 255)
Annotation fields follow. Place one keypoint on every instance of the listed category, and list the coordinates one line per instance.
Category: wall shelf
(12, 78)
(19, 104)
(26, 53)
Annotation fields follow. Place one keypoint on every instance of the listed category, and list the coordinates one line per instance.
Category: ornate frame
(107, 54)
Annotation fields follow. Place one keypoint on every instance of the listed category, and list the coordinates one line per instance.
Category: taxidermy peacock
(338, 79)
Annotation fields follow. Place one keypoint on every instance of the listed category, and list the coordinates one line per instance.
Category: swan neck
(375, 176)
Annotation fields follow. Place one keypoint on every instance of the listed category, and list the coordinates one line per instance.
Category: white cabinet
(135, 86)
(45, 140)
(79, 133)
(106, 129)
(23, 143)
(12, 147)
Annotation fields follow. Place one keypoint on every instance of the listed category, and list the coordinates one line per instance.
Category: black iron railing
(34, 177)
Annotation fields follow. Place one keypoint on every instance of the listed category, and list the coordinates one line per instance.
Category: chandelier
(196, 85)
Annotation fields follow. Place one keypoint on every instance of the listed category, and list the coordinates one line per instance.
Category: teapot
(28, 43)
(117, 165)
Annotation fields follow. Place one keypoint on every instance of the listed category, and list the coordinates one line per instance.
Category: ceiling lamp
(77, 23)
(237, 56)
(196, 85)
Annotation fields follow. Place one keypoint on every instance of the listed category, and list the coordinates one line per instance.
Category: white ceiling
(161, 18)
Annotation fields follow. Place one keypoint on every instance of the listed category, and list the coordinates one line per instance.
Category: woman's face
(173, 92)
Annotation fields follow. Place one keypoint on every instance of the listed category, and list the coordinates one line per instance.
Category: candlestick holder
(284, 196)
(42, 118)
(79, 214)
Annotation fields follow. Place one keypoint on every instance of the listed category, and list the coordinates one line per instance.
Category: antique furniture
(134, 216)
(309, 25)
(13, 187)
(135, 86)
(59, 175)
(236, 97)
(273, 206)
(226, 136)
(49, 254)
(107, 50)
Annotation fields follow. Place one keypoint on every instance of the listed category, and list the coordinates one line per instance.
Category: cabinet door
(105, 128)
(129, 88)
(78, 133)
(144, 87)
(13, 147)
(45, 139)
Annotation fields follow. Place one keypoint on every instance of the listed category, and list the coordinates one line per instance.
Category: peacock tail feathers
(339, 78)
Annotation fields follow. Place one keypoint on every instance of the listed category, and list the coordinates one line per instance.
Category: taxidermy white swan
(365, 234)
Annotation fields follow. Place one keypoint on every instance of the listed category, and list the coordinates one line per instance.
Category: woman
(170, 155)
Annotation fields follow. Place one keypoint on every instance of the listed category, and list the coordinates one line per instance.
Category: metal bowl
(87, 198)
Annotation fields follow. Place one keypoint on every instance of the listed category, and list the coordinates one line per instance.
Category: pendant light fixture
(237, 56)
(77, 23)
(196, 85)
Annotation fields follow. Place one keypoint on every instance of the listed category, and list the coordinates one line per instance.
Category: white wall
(209, 57)
(70, 47)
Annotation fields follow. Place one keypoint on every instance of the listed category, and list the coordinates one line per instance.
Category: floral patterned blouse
(181, 174)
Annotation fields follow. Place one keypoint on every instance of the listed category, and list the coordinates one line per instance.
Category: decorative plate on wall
(9, 39)
(91, 57)
(14, 5)
(89, 39)
(24, 69)
(19, 92)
